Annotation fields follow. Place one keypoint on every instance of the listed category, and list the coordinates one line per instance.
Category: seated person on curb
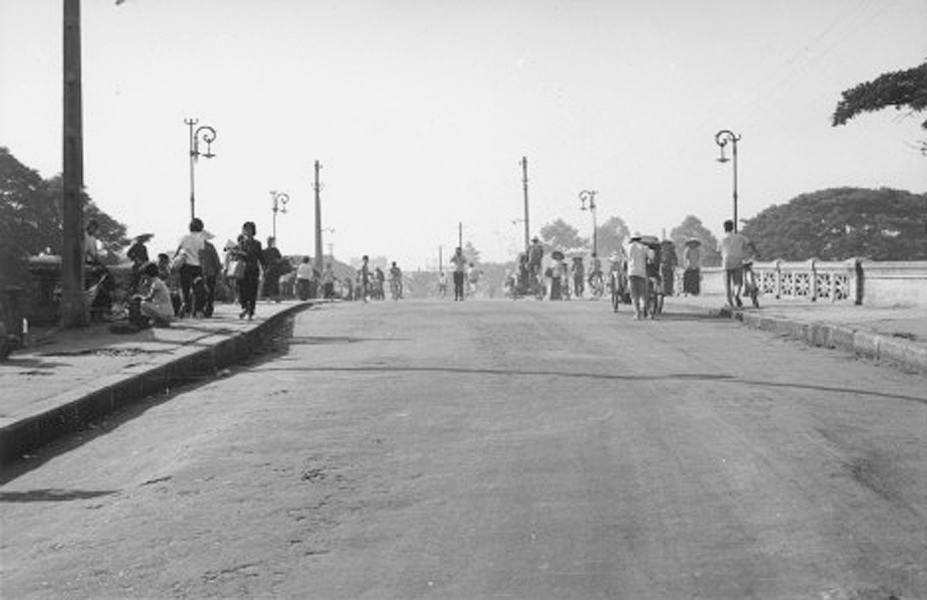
(155, 304)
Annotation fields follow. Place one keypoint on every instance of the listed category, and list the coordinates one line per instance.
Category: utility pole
(440, 259)
(460, 235)
(73, 301)
(319, 257)
(524, 182)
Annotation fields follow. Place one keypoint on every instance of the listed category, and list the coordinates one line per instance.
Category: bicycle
(617, 284)
(597, 284)
(653, 306)
(395, 288)
(751, 288)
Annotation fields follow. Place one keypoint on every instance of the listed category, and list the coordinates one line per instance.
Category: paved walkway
(66, 377)
(896, 335)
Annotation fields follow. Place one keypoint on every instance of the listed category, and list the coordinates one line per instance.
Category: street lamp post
(722, 138)
(278, 204)
(589, 196)
(208, 135)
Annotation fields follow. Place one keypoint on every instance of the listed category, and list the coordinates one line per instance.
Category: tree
(842, 223)
(560, 235)
(900, 89)
(471, 253)
(692, 228)
(31, 217)
(611, 235)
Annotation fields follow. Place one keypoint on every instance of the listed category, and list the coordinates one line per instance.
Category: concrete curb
(70, 411)
(861, 342)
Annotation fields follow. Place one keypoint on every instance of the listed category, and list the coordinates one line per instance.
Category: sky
(420, 112)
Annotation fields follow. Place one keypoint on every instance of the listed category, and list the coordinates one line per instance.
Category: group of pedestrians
(372, 284)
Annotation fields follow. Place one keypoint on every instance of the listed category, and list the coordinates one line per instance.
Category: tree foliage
(692, 228)
(31, 219)
(842, 223)
(560, 235)
(612, 235)
(471, 253)
(901, 89)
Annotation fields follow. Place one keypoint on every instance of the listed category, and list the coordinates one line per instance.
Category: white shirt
(637, 259)
(191, 245)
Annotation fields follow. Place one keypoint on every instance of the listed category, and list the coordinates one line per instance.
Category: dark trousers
(209, 305)
(248, 288)
(187, 274)
(458, 285)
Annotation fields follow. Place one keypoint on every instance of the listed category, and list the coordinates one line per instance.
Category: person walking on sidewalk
(211, 265)
(692, 263)
(328, 282)
(187, 258)
(249, 251)
(735, 248)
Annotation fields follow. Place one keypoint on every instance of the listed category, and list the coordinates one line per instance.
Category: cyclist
(596, 278)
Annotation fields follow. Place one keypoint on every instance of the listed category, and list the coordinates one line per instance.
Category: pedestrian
(668, 263)
(579, 274)
(155, 303)
(535, 259)
(691, 262)
(638, 255)
(250, 252)
(138, 254)
(98, 282)
(171, 280)
(303, 279)
(442, 283)
(395, 281)
(328, 282)
(556, 275)
(380, 278)
(735, 248)
(272, 271)
(211, 265)
(187, 262)
(460, 267)
(363, 277)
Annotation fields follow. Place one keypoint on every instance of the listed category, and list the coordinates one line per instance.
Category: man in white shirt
(637, 274)
(735, 248)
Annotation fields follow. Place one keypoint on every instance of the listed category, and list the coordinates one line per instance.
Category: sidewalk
(893, 335)
(65, 377)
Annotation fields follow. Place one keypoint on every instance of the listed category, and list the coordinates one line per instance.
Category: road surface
(425, 449)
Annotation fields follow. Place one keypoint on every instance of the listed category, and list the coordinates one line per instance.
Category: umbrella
(693, 242)
(557, 255)
(143, 238)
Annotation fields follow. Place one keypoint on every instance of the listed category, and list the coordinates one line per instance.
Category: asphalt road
(493, 450)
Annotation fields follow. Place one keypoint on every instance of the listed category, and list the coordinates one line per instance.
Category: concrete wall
(871, 283)
(894, 283)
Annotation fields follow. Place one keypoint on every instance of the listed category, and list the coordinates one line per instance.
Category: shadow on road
(52, 495)
(716, 377)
